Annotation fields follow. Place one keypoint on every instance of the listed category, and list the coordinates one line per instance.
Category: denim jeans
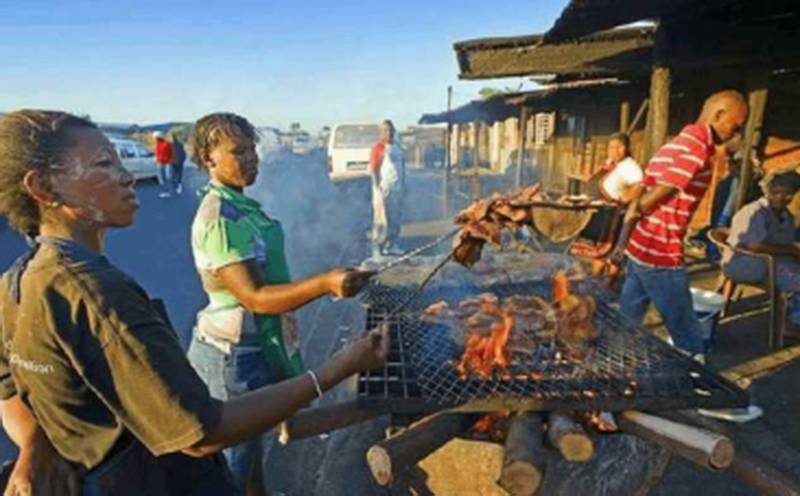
(165, 174)
(177, 175)
(668, 290)
(229, 375)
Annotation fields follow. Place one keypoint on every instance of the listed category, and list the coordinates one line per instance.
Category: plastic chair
(778, 300)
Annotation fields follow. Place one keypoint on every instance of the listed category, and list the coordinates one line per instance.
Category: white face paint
(93, 184)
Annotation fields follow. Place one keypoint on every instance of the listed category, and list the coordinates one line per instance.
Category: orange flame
(484, 353)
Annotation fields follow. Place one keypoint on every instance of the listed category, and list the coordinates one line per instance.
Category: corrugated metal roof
(603, 53)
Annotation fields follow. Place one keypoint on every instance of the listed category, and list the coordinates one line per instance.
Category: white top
(392, 168)
(627, 173)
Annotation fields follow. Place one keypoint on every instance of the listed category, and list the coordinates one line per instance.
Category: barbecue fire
(495, 333)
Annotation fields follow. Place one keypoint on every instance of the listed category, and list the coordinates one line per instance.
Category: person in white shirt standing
(388, 168)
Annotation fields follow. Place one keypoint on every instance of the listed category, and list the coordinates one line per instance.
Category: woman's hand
(368, 352)
(345, 283)
(40, 470)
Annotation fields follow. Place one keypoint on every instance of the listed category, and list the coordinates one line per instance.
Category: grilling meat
(484, 221)
(494, 332)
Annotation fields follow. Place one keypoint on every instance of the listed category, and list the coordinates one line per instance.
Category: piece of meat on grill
(438, 312)
(533, 317)
(575, 328)
(467, 249)
(484, 302)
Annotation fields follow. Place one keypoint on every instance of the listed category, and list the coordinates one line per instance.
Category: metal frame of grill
(629, 368)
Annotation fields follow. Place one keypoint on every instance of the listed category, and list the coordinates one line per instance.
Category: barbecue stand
(629, 369)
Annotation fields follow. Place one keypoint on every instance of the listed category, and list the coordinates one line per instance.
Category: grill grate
(627, 369)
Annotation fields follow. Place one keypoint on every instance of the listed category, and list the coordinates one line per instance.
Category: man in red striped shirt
(675, 181)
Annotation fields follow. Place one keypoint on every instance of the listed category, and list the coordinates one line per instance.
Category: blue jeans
(177, 174)
(228, 376)
(668, 290)
(165, 174)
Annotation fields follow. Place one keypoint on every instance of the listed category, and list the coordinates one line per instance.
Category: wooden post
(523, 132)
(639, 114)
(624, 115)
(658, 121)
(757, 100)
(447, 151)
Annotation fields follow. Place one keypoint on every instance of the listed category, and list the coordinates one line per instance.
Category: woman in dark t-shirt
(102, 382)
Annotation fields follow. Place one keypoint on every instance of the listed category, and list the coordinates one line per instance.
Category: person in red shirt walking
(164, 157)
(675, 181)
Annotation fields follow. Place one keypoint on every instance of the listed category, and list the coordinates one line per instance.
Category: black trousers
(134, 471)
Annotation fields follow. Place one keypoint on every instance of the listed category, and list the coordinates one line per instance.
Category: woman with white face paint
(95, 388)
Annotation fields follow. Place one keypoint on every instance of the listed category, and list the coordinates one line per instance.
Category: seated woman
(616, 182)
(618, 178)
(767, 226)
(88, 367)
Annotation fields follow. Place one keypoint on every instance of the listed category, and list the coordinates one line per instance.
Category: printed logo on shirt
(30, 365)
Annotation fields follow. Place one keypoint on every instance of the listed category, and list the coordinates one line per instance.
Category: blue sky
(315, 62)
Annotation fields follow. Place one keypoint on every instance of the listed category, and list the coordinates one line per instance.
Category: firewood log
(702, 447)
(525, 458)
(569, 438)
(395, 456)
(322, 419)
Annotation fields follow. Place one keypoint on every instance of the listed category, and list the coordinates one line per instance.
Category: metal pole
(523, 131)
(447, 151)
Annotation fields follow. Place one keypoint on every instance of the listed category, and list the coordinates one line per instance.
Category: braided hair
(31, 140)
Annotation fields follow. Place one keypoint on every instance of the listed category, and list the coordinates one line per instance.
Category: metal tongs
(416, 251)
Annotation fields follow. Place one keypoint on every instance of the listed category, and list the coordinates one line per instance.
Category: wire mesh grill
(628, 368)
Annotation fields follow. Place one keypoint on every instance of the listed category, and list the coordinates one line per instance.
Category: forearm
(19, 423)
(253, 414)
(281, 298)
(648, 200)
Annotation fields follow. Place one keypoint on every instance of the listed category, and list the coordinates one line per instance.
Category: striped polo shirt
(684, 164)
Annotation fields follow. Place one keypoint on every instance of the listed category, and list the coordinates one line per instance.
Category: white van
(349, 147)
(137, 158)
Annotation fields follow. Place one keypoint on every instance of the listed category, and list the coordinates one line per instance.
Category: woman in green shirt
(246, 337)
(88, 368)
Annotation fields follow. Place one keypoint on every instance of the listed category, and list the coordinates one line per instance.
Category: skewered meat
(485, 220)
(467, 249)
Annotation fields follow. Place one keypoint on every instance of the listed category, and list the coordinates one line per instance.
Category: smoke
(325, 223)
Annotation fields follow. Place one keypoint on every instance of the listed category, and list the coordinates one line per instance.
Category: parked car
(301, 145)
(137, 158)
(349, 148)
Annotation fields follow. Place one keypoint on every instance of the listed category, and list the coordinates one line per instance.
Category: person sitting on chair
(620, 175)
(766, 226)
(616, 183)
